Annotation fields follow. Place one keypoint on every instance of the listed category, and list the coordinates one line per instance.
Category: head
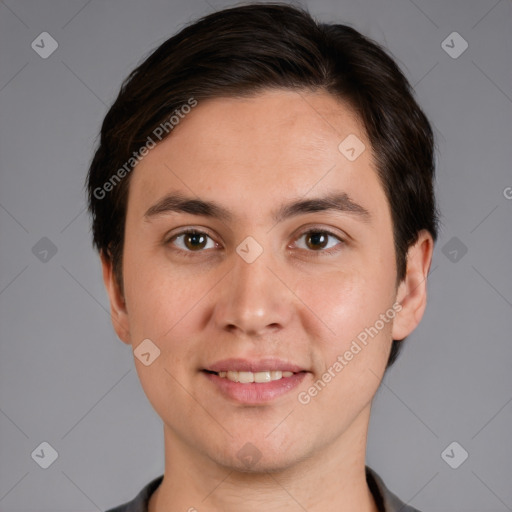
(249, 108)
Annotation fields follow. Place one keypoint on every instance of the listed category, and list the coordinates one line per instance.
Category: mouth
(254, 382)
(245, 377)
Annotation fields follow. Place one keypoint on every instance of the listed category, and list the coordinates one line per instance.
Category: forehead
(284, 123)
(254, 151)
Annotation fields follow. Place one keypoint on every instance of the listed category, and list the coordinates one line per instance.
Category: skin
(296, 302)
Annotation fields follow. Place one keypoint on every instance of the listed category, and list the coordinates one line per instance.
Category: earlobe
(118, 312)
(412, 291)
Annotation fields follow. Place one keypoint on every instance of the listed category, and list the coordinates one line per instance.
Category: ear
(412, 291)
(118, 312)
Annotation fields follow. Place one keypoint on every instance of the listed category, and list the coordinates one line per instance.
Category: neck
(332, 479)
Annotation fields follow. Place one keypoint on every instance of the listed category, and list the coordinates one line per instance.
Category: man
(262, 201)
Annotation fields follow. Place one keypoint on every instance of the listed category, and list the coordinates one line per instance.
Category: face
(263, 275)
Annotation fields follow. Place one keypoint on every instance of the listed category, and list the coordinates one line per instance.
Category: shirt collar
(386, 501)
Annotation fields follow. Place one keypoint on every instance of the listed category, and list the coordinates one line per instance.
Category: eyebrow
(176, 202)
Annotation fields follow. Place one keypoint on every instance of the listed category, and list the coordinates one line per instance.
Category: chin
(258, 457)
(267, 464)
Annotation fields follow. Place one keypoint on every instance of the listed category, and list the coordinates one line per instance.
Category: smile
(259, 377)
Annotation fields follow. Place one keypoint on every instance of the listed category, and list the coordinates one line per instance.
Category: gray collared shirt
(385, 499)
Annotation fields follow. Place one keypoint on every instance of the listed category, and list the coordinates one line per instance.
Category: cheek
(163, 307)
(157, 296)
(354, 342)
(349, 363)
(345, 302)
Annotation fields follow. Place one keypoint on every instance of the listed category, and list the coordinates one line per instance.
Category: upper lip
(253, 365)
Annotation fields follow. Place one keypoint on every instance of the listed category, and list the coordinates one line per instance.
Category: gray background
(66, 379)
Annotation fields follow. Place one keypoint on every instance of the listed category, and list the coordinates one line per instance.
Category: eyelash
(312, 253)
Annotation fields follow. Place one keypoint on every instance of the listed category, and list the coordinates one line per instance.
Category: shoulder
(385, 499)
(140, 502)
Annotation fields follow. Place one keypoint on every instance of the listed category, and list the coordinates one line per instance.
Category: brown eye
(316, 239)
(320, 241)
(192, 241)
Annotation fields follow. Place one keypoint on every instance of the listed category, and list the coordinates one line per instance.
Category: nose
(253, 298)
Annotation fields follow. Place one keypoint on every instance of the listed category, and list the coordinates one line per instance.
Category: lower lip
(255, 393)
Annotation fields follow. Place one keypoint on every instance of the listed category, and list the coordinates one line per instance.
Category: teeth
(248, 377)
